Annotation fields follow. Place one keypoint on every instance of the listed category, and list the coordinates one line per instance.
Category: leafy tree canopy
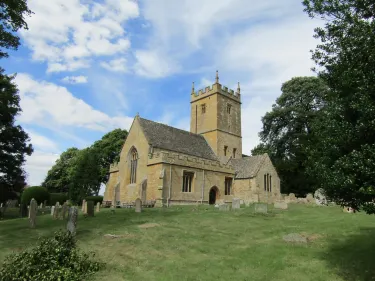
(287, 131)
(343, 157)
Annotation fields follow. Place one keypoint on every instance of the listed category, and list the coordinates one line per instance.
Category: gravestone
(83, 206)
(280, 205)
(72, 220)
(236, 203)
(320, 198)
(41, 206)
(261, 208)
(223, 207)
(32, 212)
(98, 206)
(52, 210)
(90, 208)
(310, 198)
(64, 210)
(1, 205)
(56, 211)
(292, 197)
(138, 205)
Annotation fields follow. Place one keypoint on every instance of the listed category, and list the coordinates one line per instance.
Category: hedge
(40, 194)
(96, 199)
(57, 197)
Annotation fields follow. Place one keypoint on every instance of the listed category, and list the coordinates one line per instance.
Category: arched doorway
(213, 195)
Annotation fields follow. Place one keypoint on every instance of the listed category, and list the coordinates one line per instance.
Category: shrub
(54, 258)
(57, 197)
(40, 194)
(95, 199)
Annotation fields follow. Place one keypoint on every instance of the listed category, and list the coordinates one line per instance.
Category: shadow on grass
(354, 258)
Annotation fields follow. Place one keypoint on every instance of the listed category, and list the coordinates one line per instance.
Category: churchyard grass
(203, 243)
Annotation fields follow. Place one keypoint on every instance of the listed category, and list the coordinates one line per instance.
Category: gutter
(203, 188)
(170, 184)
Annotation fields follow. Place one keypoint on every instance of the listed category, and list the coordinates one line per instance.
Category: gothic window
(228, 186)
(203, 107)
(234, 152)
(225, 150)
(270, 183)
(133, 165)
(187, 180)
(265, 182)
(229, 108)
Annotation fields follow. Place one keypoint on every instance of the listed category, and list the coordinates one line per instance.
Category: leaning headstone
(52, 210)
(64, 210)
(98, 207)
(261, 208)
(280, 205)
(72, 220)
(236, 203)
(138, 205)
(32, 212)
(320, 198)
(41, 206)
(223, 207)
(90, 208)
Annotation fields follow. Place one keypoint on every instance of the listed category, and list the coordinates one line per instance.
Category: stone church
(171, 166)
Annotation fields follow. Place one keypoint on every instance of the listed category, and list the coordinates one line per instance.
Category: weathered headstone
(56, 211)
(32, 212)
(41, 206)
(64, 210)
(72, 220)
(292, 197)
(224, 207)
(52, 210)
(310, 198)
(98, 207)
(320, 198)
(280, 205)
(261, 208)
(83, 206)
(138, 205)
(1, 205)
(236, 203)
(90, 208)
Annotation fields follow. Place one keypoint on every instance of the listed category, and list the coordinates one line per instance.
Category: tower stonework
(216, 114)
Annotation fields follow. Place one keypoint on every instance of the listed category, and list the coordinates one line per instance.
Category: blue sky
(86, 67)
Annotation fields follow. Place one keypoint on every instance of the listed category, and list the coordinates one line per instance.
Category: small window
(187, 180)
(203, 107)
(234, 152)
(265, 182)
(228, 186)
(229, 108)
(225, 150)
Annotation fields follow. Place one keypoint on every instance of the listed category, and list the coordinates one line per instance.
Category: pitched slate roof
(248, 167)
(173, 139)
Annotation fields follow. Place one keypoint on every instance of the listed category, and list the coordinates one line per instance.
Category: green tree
(287, 131)
(108, 150)
(13, 139)
(343, 159)
(60, 175)
(85, 180)
(12, 18)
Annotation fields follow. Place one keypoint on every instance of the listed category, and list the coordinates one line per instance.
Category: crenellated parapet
(114, 167)
(216, 88)
(190, 161)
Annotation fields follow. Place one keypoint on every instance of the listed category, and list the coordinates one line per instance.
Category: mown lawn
(202, 243)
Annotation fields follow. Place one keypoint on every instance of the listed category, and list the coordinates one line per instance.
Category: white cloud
(44, 101)
(153, 64)
(75, 79)
(115, 65)
(68, 33)
(37, 166)
(41, 142)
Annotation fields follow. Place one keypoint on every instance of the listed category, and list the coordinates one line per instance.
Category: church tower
(216, 114)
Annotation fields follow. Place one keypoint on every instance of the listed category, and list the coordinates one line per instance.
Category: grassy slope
(205, 244)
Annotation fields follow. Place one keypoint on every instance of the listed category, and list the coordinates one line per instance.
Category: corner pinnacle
(217, 77)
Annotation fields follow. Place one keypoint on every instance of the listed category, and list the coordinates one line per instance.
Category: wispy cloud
(75, 79)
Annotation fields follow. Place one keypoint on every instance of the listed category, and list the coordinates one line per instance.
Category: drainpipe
(202, 188)
(170, 184)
